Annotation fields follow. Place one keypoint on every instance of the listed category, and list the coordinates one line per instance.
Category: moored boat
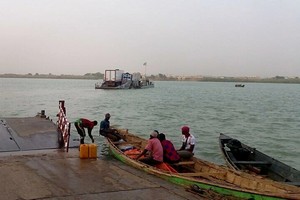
(239, 156)
(239, 85)
(203, 174)
(118, 79)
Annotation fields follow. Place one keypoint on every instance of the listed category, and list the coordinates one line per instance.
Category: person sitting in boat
(170, 153)
(237, 150)
(107, 131)
(188, 144)
(82, 123)
(155, 149)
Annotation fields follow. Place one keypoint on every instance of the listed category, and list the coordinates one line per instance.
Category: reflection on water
(104, 150)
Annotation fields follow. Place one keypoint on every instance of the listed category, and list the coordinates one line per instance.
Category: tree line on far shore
(162, 77)
(93, 76)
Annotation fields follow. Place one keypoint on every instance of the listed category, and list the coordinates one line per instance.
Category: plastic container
(93, 151)
(125, 147)
(84, 151)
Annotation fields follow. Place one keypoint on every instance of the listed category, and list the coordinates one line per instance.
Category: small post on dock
(43, 114)
(62, 105)
(63, 126)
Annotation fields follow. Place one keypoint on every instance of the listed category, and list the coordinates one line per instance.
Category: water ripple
(265, 116)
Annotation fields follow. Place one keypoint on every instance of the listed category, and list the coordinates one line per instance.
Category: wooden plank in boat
(185, 163)
(252, 162)
(293, 183)
(123, 142)
(204, 174)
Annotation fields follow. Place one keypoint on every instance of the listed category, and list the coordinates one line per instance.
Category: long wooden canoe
(204, 174)
(241, 157)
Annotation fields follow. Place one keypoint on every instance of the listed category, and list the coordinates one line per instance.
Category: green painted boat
(204, 174)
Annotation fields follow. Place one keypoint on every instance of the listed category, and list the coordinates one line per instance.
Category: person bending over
(83, 123)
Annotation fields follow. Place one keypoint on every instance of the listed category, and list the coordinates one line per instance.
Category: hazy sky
(186, 37)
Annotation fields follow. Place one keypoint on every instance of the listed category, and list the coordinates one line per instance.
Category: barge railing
(63, 126)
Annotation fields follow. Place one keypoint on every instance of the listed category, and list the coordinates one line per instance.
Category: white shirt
(191, 140)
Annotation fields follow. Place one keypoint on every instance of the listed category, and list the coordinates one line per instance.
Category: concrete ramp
(7, 142)
(29, 133)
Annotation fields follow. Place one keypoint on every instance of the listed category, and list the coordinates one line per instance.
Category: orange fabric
(166, 167)
(133, 153)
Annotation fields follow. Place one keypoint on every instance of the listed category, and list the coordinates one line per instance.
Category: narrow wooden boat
(242, 157)
(203, 174)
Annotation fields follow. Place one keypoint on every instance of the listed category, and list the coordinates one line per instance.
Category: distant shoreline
(50, 76)
(160, 77)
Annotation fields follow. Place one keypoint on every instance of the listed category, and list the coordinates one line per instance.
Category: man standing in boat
(82, 123)
(188, 143)
(106, 131)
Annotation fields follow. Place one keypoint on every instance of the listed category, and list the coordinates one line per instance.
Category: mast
(145, 65)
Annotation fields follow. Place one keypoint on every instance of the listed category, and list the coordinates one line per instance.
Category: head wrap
(154, 134)
(161, 136)
(185, 129)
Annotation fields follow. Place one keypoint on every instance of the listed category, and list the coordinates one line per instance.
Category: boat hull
(235, 184)
(122, 87)
(258, 162)
(188, 183)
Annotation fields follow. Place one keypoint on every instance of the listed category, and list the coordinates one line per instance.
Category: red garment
(154, 146)
(87, 123)
(185, 129)
(170, 153)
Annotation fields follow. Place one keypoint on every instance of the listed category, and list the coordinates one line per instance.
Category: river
(262, 115)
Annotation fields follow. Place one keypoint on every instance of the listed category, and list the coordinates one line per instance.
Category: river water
(265, 116)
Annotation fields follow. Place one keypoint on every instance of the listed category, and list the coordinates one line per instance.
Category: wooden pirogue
(241, 157)
(204, 174)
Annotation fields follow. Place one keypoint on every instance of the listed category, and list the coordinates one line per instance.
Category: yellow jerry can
(84, 151)
(93, 151)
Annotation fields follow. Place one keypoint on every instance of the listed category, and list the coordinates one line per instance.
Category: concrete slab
(29, 133)
(55, 174)
(32, 167)
(6, 139)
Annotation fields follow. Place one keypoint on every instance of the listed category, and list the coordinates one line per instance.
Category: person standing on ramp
(82, 123)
